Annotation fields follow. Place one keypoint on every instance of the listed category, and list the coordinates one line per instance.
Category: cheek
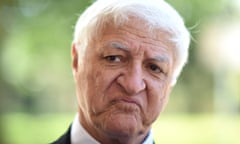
(88, 86)
(158, 97)
(99, 80)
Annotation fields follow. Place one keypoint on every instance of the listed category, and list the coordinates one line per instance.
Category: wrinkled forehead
(138, 25)
(151, 35)
(135, 28)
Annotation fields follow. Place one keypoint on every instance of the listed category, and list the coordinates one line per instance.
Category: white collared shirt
(80, 136)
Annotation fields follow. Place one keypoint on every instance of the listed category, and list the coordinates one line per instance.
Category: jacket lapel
(65, 138)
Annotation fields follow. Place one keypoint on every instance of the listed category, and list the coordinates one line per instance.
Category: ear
(74, 53)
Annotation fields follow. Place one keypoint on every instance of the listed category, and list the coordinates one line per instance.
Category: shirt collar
(80, 135)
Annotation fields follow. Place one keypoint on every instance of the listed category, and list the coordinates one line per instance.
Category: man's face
(124, 81)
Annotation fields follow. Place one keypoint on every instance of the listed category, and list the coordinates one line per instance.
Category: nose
(132, 80)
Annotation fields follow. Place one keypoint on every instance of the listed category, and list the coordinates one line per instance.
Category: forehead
(138, 27)
(136, 34)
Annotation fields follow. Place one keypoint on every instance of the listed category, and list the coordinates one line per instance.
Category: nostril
(131, 84)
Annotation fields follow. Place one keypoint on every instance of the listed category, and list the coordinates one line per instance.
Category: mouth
(130, 103)
(127, 100)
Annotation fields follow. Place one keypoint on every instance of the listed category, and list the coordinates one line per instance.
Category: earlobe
(74, 53)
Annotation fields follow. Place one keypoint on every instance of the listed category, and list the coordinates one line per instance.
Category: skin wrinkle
(154, 35)
(126, 57)
(161, 36)
(107, 83)
(144, 39)
(167, 43)
(125, 110)
(114, 102)
(124, 48)
(162, 59)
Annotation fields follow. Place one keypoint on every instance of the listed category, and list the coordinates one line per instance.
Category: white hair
(157, 14)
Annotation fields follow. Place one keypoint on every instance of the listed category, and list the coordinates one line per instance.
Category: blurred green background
(38, 102)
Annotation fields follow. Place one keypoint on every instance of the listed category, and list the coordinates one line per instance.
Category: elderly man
(126, 57)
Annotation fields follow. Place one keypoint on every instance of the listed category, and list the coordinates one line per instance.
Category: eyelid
(151, 65)
(158, 74)
(108, 57)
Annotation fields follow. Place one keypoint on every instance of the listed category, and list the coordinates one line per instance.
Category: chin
(122, 124)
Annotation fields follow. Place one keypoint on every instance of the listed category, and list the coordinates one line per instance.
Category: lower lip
(126, 106)
(126, 101)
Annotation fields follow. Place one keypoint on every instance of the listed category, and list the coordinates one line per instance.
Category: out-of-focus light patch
(229, 45)
(219, 50)
(219, 45)
(32, 8)
(234, 3)
(237, 4)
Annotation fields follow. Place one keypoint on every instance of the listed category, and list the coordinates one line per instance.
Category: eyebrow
(120, 46)
(161, 59)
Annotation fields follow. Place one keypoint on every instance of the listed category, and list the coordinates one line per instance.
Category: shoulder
(65, 138)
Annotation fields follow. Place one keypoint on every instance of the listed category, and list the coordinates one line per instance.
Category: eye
(113, 58)
(154, 68)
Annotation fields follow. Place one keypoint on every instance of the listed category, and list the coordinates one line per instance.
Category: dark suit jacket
(66, 138)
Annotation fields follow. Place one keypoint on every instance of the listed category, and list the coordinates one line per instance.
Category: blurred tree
(35, 53)
(195, 86)
(36, 36)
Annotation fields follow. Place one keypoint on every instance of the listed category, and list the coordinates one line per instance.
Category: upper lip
(128, 100)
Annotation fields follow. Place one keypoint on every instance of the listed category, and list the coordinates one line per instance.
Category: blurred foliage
(36, 76)
(169, 129)
(35, 63)
(35, 54)
(35, 41)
